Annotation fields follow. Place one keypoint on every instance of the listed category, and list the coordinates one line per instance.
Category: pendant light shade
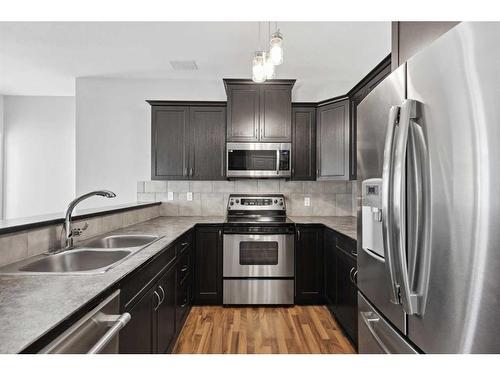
(268, 66)
(258, 69)
(276, 48)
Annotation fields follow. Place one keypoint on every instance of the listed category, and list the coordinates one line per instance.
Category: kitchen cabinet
(330, 272)
(303, 142)
(157, 296)
(356, 95)
(346, 305)
(333, 142)
(208, 265)
(188, 141)
(138, 336)
(259, 112)
(309, 264)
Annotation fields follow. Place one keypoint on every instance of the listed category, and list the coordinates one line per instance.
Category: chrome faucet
(70, 233)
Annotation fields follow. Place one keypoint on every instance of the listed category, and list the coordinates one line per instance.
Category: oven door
(258, 255)
(258, 160)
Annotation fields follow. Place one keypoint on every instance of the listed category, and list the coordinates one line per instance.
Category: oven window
(252, 160)
(258, 253)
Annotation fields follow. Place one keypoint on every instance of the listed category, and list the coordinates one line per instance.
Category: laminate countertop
(32, 305)
(346, 225)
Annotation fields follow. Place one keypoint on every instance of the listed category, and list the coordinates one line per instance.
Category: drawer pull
(184, 303)
(184, 268)
(184, 244)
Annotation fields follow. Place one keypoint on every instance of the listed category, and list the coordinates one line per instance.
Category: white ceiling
(44, 58)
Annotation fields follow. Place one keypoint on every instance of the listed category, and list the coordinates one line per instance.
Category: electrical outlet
(189, 196)
(307, 201)
(170, 196)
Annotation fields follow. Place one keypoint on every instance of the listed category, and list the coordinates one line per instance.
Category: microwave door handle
(278, 155)
(387, 186)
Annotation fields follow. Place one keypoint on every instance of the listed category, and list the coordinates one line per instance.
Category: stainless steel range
(258, 251)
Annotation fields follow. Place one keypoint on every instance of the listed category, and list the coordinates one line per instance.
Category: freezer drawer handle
(120, 321)
(370, 319)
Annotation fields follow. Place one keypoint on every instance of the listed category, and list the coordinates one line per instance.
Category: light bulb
(276, 48)
(268, 66)
(258, 71)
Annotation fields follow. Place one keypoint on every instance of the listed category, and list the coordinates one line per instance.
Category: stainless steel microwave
(258, 160)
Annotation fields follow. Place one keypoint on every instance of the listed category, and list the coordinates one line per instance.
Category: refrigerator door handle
(408, 298)
(387, 218)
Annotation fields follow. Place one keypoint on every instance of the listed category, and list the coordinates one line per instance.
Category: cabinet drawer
(184, 266)
(184, 243)
(141, 279)
(347, 245)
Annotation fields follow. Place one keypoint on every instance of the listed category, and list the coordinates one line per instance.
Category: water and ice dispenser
(371, 198)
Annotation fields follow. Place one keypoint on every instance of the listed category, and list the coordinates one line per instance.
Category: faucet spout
(68, 232)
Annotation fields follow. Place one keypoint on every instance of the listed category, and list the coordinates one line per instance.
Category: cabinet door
(330, 270)
(333, 141)
(346, 307)
(166, 312)
(275, 113)
(183, 298)
(169, 142)
(208, 266)
(207, 143)
(304, 143)
(243, 113)
(309, 265)
(139, 335)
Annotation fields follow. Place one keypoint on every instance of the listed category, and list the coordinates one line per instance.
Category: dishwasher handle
(120, 321)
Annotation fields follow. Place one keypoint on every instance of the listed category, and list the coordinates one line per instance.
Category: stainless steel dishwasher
(97, 332)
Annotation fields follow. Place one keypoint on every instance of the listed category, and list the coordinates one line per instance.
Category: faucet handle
(79, 231)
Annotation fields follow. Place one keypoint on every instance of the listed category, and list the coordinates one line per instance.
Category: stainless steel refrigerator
(428, 147)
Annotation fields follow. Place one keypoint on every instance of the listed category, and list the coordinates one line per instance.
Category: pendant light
(276, 48)
(258, 70)
(268, 66)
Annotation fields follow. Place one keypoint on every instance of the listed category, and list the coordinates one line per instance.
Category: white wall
(113, 130)
(39, 175)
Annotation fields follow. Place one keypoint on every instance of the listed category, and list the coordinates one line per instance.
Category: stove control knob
(231, 203)
(281, 203)
(275, 201)
(237, 201)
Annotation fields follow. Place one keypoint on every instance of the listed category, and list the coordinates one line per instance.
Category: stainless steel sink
(80, 260)
(121, 241)
(96, 256)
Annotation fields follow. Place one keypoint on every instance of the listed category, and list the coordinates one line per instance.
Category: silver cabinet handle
(351, 274)
(184, 244)
(387, 186)
(120, 322)
(408, 298)
(369, 321)
(159, 300)
(298, 234)
(184, 269)
(184, 304)
(163, 294)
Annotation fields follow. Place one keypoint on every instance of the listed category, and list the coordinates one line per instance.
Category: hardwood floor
(261, 330)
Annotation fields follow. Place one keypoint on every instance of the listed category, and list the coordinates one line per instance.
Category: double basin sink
(96, 256)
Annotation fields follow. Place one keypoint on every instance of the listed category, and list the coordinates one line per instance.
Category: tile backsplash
(209, 198)
(26, 243)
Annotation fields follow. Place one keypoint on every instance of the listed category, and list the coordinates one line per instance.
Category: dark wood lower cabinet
(158, 315)
(309, 264)
(208, 266)
(330, 269)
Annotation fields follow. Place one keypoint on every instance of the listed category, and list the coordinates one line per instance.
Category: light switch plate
(307, 201)
(189, 196)
(170, 196)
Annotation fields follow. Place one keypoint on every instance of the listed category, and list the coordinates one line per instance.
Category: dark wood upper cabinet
(243, 113)
(188, 140)
(259, 112)
(303, 143)
(169, 141)
(275, 113)
(332, 146)
(207, 145)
